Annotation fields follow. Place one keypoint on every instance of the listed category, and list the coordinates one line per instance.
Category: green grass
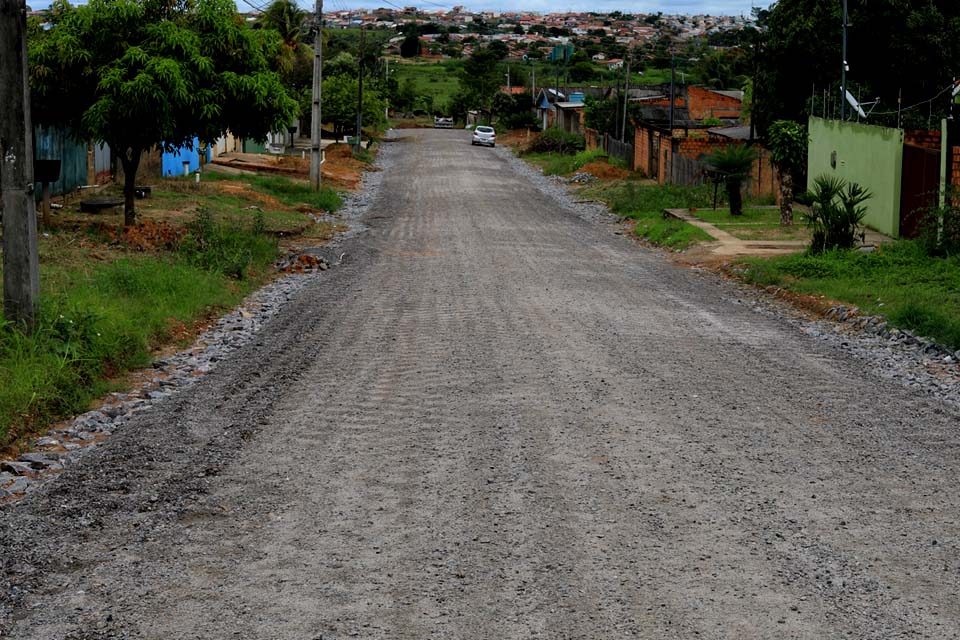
(439, 79)
(558, 164)
(635, 201)
(756, 224)
(898, 281)
(101, 318)
(288, 191)
(670, 232)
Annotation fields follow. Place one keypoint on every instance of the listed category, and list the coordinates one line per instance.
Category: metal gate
(919, 187)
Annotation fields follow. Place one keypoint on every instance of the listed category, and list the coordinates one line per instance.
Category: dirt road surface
(497, 420)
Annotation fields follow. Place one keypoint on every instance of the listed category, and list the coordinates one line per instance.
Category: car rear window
(485, 129)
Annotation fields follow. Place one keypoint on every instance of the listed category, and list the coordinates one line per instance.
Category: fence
(620, 150)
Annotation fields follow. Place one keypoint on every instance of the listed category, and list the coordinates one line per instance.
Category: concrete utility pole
(316, 152)
(21, 279)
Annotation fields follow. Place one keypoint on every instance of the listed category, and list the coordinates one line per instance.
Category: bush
(836, 213)
(555, 140)
(940, 231)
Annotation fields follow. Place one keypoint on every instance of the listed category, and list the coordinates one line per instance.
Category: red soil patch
(605, 171)
(149, 235)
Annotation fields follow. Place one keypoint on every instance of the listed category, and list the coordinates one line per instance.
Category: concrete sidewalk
(728, 245)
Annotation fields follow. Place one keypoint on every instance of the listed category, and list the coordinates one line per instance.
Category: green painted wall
(871, 156)
(252, 146)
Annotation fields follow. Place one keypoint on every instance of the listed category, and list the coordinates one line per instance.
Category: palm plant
(837, 213)
(733, 165)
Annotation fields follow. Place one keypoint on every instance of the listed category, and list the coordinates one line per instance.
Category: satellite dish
(856, 105)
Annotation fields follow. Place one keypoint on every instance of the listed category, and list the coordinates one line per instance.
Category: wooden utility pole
(626, 97)
(316, 149)
(21, 279)
(360, 92)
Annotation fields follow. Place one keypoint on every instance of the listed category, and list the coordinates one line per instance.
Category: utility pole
(673, 77)
(626, 97)
(21, 275)
(360, 91)
(843, 69)
(508, 78)
(316, 152)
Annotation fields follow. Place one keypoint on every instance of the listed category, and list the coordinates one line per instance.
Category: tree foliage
(479, 79)
(894, 46)
(340, 104)
(139, 74)
(787, 142)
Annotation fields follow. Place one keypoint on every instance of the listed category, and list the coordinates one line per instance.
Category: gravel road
(498, 420)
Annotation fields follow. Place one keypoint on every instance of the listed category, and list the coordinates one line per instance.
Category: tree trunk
(131, 162)
(735, 197)
(786, 199)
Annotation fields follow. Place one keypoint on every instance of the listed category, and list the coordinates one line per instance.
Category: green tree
(342, 64)
(139, 74)
(716, 70)
(340, 105)
(801, 48)
(410, 47)
(480, 79)
(582, 72)
(733, 165)
(499, 49)
(284, 17)
(787, 141)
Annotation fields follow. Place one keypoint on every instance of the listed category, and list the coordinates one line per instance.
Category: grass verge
(645, 204)
(898, 281)
(756, 223)
(110, 298)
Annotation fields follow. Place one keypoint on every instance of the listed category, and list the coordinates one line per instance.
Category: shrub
(836, 213)
(940, 231)
(556, 140)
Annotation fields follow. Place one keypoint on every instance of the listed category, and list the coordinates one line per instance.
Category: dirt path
(498, 420)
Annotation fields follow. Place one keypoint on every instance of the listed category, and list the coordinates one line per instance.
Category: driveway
(498, 420)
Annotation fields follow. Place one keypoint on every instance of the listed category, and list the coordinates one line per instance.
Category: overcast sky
(711, 7)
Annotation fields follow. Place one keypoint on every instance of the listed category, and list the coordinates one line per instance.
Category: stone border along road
(408, 480)
(64, 444)
(896, 354)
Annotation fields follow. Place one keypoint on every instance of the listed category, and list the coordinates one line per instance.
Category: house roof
(737, 95)
(740, 132)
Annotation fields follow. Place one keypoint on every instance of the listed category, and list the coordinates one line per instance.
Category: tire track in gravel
(497, 420)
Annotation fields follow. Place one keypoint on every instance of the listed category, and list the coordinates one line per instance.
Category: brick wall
(709, 104)
(592, 138)
(955, 174)
(763, 178)
(925, 138)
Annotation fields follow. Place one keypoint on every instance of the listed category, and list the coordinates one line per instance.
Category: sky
(711, 7)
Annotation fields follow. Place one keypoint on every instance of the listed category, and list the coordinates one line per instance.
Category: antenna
(858, 106)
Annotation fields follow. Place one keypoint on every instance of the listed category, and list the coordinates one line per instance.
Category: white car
(484, 135)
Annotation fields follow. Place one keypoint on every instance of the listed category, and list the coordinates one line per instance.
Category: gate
(919, 187)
